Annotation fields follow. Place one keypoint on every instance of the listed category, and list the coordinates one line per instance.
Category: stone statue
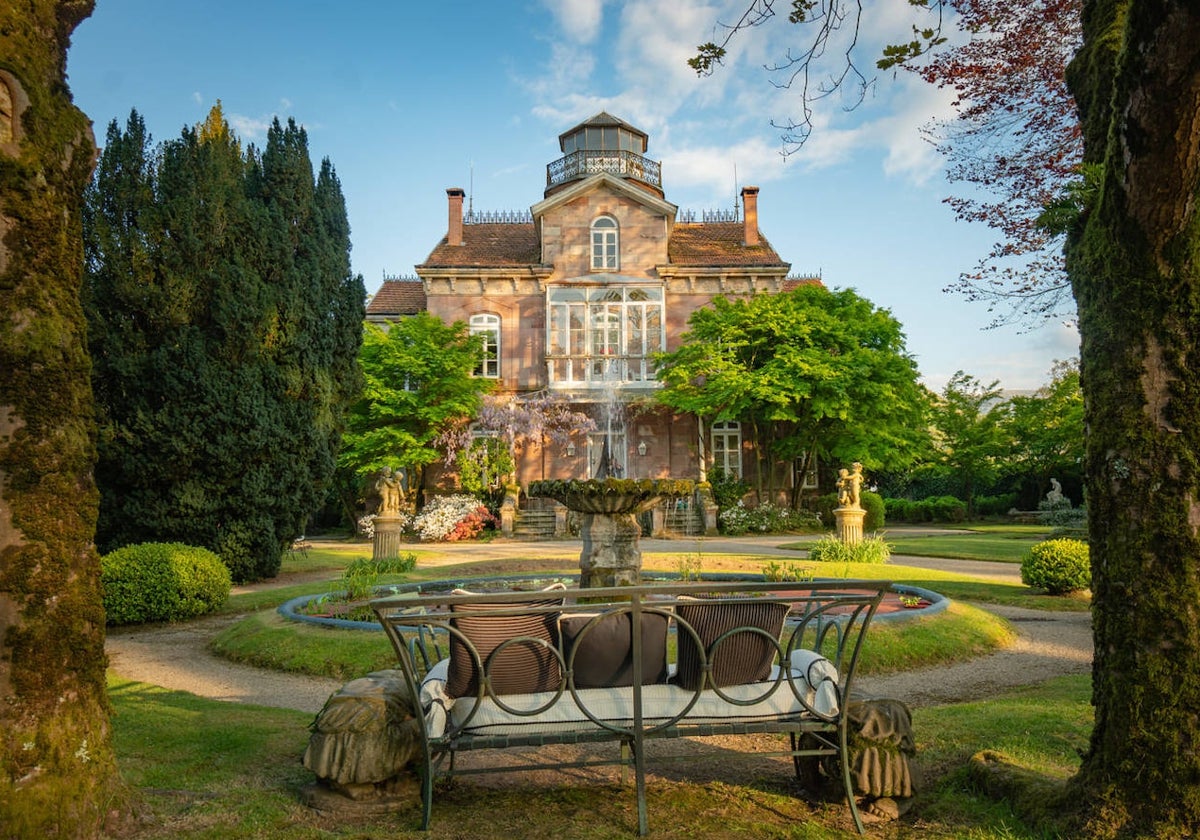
(1055, 496)
(361, 745)
(391, 492)
(849, 486)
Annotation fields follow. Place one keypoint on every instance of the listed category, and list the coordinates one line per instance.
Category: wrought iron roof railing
(585, 162)
(709, 216)
(498, 217)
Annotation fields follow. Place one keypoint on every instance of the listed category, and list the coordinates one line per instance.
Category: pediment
(605, 181)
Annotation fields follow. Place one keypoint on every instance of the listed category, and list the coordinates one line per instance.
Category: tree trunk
(59, 775)
(1133, 266)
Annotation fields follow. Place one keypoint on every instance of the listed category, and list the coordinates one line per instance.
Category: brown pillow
(741, 658)
(522, 667)
(604, 654)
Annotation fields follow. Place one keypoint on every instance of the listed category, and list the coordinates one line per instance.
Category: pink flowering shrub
(452, 518)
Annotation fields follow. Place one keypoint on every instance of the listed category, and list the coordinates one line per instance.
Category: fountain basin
(611, 495)
(891, 609)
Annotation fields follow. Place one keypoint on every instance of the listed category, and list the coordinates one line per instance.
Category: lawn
(208, 770)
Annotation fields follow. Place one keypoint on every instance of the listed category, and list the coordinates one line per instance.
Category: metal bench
(716, 685)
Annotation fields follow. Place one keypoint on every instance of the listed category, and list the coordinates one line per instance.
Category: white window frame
(600, 334)
(487, 325)
(726, 438)
(606, 244)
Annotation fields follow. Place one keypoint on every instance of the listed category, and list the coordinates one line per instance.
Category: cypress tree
(220, 414)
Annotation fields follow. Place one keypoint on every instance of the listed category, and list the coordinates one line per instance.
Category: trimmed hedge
(161, 582)
(932, 509)
(1057, 566)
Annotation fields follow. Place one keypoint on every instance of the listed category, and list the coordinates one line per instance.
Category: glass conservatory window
(603, 334)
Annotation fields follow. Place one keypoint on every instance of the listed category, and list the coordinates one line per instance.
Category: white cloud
(579, 19)
(249, 128)
(197, 98)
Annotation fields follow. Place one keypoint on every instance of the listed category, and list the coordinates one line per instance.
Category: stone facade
(585, 325)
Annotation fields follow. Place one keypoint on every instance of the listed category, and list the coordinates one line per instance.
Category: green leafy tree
(969, 420)
(224, 322)
(58, 774)
(810, 371)
(1130, 258)
(418, 385)
(1046, 431)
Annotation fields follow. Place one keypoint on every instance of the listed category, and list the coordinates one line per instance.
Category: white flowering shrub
(452, 518)
(366, 526)
(765, 519)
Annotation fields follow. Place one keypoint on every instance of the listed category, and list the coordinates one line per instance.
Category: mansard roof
(711, 244)
(717, 244)
(397, 296)
(488, 246)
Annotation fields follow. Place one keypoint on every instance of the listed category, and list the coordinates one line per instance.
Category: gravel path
(1049, 644)
(176, 657)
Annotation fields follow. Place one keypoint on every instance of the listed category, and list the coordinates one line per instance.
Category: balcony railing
(599, 371)
(587, 162)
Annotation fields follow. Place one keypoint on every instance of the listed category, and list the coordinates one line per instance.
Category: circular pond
(902, 602)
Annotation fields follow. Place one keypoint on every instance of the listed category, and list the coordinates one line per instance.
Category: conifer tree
(225, 323)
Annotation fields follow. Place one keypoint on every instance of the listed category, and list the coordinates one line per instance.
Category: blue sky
(407, 99)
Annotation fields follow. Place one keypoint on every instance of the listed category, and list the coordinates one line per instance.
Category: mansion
(577, 297)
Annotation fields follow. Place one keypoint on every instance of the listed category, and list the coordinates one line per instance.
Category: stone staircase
(534, 525)
(683, 518)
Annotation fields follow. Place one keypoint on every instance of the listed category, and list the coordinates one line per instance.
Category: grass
(267, 640)
(209, 770)
(998, 543)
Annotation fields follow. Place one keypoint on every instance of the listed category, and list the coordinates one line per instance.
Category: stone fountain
(611, 555)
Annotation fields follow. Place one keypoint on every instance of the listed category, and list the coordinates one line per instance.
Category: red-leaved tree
(1015, 143)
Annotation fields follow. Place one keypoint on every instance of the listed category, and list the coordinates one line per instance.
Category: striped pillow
(522, 667)
(744, 657)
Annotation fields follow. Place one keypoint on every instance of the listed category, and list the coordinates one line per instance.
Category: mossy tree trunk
(1133, 265)
(58, 776)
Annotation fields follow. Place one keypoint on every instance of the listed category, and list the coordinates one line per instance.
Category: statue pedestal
(849, 524)
(389, 532)
(611, 555)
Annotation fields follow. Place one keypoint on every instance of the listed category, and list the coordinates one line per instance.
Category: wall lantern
(642, 448)
(570, 449)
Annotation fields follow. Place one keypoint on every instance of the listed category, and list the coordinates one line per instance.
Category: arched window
(605, 240)
(727, 447)
(487, 326)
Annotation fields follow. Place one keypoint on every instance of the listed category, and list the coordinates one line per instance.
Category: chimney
(455, 235)
(750, 214)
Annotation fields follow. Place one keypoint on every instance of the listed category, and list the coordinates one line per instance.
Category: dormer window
(605, 242)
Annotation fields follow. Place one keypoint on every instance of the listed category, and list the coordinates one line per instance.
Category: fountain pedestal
(609, 524)
(611, 555)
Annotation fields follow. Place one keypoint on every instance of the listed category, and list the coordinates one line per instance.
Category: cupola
(604, 143)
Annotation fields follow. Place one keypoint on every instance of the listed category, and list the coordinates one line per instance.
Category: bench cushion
(529, 664)
(604, 651)
(809, 686)
(744, 657)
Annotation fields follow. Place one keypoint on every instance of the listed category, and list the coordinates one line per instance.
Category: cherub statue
(849, 486)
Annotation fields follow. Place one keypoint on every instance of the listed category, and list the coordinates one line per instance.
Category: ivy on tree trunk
(58, 775)
(1133, 266)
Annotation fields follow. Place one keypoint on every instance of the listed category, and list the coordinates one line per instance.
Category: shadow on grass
(207, 769)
